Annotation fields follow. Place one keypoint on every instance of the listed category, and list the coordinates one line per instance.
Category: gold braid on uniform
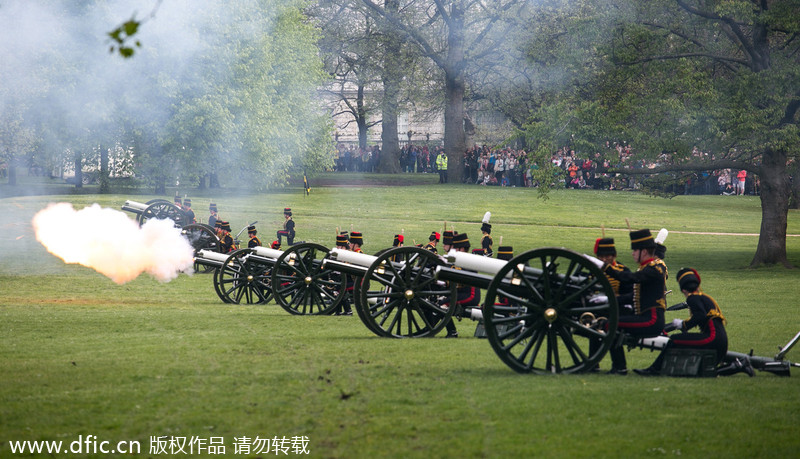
(615, 282)
(661, 302)
(714, 313)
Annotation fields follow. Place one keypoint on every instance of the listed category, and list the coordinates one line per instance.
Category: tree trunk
(361, 118)
(794, 177)
(389, 161)
(78, 162)
(104, 183)
(201, 183)
(454, 141)
(775, 190)
(12, 172)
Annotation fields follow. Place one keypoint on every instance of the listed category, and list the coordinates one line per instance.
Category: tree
(454, 35)
(678, 77)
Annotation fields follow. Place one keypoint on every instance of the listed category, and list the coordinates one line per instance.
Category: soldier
(606, 251)
(356, 241)
(344, 308)
(466, 295)
(187, 210)
(225, 239)
(212, 219)
(288, 227)
(486, 239)
(254, 241)
(433, 239)
(707, 316)
(505, 252)
(275, 245)
(447, 241)
(647, 297)
(398, 240)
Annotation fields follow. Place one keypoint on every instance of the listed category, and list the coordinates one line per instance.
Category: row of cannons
(540, 312)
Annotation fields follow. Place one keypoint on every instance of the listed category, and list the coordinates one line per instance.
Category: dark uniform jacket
(649, 285)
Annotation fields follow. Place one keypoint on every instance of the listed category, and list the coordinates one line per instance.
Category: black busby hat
(461, 241)
(341, 240)
(287, 211)
(486, 228)
(434, 236)
(688, 279)
(212, 206)
(225, 226)
(642, 239)
(398, 239)
(218, 224)
(604, 246)
(480, 252)
(447, 238)
(251, 229)
(275, 245)
(187, 202)
(356, 238)
(177, 200)
(661, 251)
(505, 252)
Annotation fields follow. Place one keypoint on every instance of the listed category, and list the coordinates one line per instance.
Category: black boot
(737, 366)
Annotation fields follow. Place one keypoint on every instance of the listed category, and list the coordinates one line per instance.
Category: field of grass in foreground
(84, 356)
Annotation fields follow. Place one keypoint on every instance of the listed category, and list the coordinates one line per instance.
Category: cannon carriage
(295, 278)
(157, 209)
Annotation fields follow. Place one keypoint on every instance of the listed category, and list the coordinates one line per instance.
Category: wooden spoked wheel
(544, 309)
(162, 210)
(243, 280)
(302, 286)
(399, 296)
(201, 237)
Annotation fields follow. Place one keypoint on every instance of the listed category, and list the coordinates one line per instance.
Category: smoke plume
(109, 242)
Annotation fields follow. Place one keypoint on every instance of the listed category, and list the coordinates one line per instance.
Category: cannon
(395, 293)
(156, 208)
(542, 309)
(295, 278)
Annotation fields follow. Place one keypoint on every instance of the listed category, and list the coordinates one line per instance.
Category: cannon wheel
(201, 237)
(302, 286)
(539, 329)
(162, 209)
(404, 301)
(242, 279)
(153, 201)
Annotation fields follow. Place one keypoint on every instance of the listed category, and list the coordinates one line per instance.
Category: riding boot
(737, 366)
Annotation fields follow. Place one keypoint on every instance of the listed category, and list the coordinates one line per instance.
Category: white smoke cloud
(112, 244)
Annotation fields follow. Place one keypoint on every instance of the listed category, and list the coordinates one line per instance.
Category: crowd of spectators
(512, 167)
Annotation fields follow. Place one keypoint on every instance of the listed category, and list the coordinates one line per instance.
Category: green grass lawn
(84, 356)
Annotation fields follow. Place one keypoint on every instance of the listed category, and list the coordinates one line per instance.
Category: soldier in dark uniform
(356, 241)
(707, 316)
(254, 240)
(344, 308)
(288, 227)
(486, 239)
(649, 287)
(212, 219)
(398, 240)
(225, 239)
(187, 210)
(433, 239)
(447, 241)
(606, 251)
(466, 295)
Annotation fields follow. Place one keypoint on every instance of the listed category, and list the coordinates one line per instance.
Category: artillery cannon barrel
(267, 252)
(492, 266)
(344, 268)
(347, 256)
(463, 277)
(209, 258)
(477, 263)
(134, 206)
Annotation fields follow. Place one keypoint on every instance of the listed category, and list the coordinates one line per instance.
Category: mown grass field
(84, 356)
